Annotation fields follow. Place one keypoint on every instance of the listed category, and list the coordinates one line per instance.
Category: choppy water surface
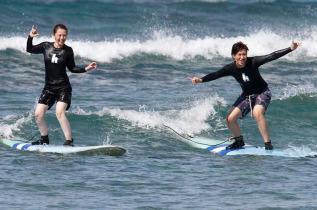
(145, 51)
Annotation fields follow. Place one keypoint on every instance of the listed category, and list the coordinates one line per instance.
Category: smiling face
(240, 58)
(60, 37)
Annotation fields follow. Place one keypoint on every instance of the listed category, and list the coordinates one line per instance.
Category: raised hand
(33, 32)
(295, 45)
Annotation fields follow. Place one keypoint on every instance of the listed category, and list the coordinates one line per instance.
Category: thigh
(47, 98)
(234, 114)
(263, 99)
(61, 107)
(65, 97)
(242, 103)
(258, 110)
(41, 109)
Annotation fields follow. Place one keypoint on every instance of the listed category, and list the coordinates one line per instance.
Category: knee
(230, 120)
(258, 115)
(39, 116)
(60, 114)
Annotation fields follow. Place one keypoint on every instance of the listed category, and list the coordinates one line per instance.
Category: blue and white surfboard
(83, 150)
(219, 147)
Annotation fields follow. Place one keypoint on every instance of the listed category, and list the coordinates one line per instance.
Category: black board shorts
(50, 96)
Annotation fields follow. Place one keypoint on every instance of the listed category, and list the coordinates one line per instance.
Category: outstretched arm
(73, 68)
(225, 71)
(260, 60)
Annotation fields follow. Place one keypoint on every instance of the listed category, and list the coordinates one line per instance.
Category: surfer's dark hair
(60, 26)
(237, 47)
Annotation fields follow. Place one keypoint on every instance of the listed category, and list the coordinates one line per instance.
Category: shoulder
(46, 44)
(227, 69)
(253, 60)
(68, 48)
(230, 66)
(250, 59)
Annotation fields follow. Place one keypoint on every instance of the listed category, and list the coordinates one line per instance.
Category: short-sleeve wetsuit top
(56, 60)
(249, 76)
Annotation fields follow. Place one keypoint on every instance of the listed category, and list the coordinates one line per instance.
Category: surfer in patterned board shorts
(256, 95)
(57, 57)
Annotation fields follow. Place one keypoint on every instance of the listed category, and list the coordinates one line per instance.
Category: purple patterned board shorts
(262, 99)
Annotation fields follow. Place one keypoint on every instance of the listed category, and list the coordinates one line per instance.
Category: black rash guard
(56, 60)
(249, 76)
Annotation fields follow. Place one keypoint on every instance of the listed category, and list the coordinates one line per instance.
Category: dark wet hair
(59, 26)
(238, 47)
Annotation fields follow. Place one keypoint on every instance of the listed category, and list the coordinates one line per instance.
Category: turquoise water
(145, 51)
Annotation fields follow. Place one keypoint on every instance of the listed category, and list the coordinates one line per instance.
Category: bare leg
(258, 113)
(232, 118)
(39, 118)
(63, 121)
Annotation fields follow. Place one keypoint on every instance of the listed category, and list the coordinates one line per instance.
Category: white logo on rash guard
(54, 58)
(245, 78)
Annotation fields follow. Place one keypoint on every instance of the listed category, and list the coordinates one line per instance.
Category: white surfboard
(21, 144)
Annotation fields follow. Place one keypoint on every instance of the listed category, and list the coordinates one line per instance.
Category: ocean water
(145, 51)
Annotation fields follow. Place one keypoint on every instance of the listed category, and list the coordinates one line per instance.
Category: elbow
(73, 70)
(28, 49)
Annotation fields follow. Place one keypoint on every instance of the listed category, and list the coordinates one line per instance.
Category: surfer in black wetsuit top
(57, 56)
(256, 95)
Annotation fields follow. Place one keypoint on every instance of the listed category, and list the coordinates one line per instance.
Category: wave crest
(177, 47)
(190, 121)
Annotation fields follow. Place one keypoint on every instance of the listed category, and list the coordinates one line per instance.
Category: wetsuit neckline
(236, 67)
(239, 67)
(56, 47)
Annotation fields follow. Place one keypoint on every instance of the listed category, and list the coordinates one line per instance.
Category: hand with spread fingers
(195, 80)
(91, 66)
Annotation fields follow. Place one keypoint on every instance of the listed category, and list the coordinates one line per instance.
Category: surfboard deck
(218, 146)
(21, 144)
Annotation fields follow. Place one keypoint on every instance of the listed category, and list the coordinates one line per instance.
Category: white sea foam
(301, 151)
(175, 46)
(190, 121)
(7, 129)
(292, 90)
